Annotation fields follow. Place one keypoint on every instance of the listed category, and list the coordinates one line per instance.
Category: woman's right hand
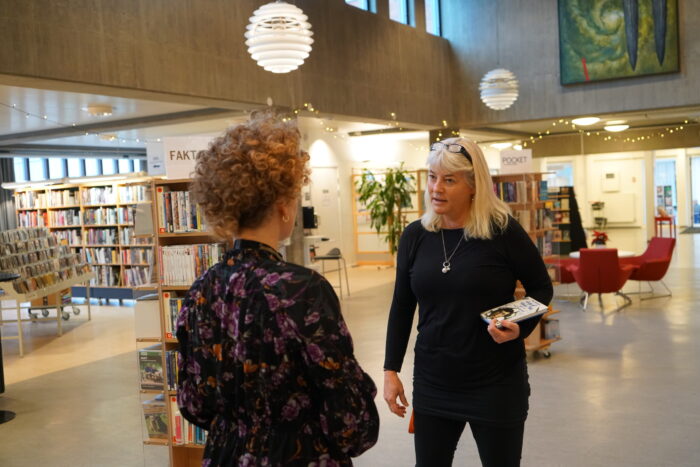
(393, 389)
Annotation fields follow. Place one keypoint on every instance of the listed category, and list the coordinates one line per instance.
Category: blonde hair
(488, 213)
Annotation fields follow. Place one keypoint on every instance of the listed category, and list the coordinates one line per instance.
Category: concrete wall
(523, 36)
(362, 64)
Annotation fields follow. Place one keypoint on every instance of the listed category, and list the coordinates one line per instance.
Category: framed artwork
(608, 39)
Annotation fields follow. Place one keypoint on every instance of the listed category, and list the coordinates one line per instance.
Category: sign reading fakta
(175, 157)
(184, 155)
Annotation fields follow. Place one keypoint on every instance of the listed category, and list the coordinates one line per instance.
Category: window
(75, 168)
(92, 167)
(563, 174)
(140, 165)
(665, 183)
(109, 166)
(361, 4)
(57, 168)
(37, 169)
(398, 10)
(432, 16)
(20, 169)
(125, 166)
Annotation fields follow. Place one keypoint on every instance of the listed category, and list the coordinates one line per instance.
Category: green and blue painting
(607, 39)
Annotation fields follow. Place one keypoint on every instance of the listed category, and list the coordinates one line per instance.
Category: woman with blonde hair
(266, 361)
(461, 258)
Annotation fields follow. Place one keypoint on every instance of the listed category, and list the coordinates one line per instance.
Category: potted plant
(599, 239)
(385, 196)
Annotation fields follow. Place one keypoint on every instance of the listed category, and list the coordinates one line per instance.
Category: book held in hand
(515, 311)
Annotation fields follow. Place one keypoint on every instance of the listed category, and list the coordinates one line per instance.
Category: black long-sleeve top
(459, 371)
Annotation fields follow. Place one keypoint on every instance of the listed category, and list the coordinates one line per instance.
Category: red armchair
(653, 264)
(599, 271)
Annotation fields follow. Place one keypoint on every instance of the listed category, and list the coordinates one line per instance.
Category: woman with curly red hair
(266, 361)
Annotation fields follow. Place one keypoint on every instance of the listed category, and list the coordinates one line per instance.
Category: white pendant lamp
(499, 89)
(279, 37)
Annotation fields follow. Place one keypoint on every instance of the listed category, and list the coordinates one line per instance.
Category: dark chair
(335, 255)
(653, 264)
(599, 271)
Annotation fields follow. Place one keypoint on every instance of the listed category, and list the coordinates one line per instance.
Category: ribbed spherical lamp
(499, 89)
(279, 37)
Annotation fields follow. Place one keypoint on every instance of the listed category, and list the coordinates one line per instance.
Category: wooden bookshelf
(82, 215)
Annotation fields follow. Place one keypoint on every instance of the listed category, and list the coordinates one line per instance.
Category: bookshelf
(183, 250)
(96, 220)
(528, 198)
(560, 205)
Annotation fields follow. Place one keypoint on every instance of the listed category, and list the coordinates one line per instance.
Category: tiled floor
(620, 389)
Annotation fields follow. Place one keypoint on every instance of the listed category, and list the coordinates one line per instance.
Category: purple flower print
(286, 303)
(343, 328)
(237, 284)
(272, 301)
(312, 318)
(260, 272)
(315, 353)
(286, 276)
(279, 346)
(270, 279)
(288, 328)
(206, 462)
(290, 411)
(246, 460)
(193, 368)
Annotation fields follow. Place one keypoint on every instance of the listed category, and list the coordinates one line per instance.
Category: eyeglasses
(454, 147)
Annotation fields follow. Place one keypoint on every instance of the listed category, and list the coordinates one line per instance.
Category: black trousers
(436, 440)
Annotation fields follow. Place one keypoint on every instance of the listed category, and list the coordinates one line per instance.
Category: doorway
(695, 190)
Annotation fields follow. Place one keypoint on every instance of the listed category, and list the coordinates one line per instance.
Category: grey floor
(620, 389)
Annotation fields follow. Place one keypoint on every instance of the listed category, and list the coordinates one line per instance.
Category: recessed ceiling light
(99, 110)
(585, 121)
(501, 145)
(616, 128)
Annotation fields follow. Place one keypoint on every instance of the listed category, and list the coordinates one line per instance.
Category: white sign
(175, 157)
(516, 162)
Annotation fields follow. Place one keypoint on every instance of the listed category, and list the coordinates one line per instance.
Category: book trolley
(526, 194)
(46, 269)
(183, 251)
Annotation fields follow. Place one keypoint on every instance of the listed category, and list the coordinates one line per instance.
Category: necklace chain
(446, 265)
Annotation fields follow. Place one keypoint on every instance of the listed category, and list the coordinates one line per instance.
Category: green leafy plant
(386, 195)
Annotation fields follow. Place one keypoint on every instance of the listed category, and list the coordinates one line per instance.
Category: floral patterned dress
(266, 365)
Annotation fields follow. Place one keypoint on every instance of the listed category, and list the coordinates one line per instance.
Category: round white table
(620, 254)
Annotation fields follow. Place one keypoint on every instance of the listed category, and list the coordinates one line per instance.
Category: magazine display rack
(527, 196)
(96, 220)
(183, 251)
(45, 268)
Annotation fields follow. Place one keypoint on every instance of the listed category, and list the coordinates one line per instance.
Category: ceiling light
(616, 122)
(518, 147)
(616, 128)
(501, 145)
(499, 89)
(585, 121)
(279, 37)
(99, 110)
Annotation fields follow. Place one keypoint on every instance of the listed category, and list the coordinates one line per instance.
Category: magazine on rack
(515, 311)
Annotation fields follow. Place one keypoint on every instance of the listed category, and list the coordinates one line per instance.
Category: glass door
(695, 189)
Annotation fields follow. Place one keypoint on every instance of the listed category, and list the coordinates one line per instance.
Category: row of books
(562, 217)
(137, 256)
(65, 217)
(563, 235)
(535, 219)
(68, 237)
(521, 191)
(176, 213)
(560, 203)
(544, 243)
(30, 199)
(182, 264)
(99, 195)
(43, 267)
(66, 197)
(134, 193)
(32, 219)
(151, 372)
(172, 309)
(126, 237)
(101, 236)
(124, 215)
(30, 284)
(15, 260)
(135, 276)
(102, 255)
(105, 276)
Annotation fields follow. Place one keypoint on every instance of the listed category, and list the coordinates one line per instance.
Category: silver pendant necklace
(446, 265)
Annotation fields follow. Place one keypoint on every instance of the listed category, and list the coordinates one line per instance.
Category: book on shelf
(172, 308)
(515, 311)
(183, 264)
(182, 431)
(151, 368)
(176, 213)
(155, 416)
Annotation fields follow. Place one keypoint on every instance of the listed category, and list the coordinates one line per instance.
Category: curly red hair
(246, 171)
